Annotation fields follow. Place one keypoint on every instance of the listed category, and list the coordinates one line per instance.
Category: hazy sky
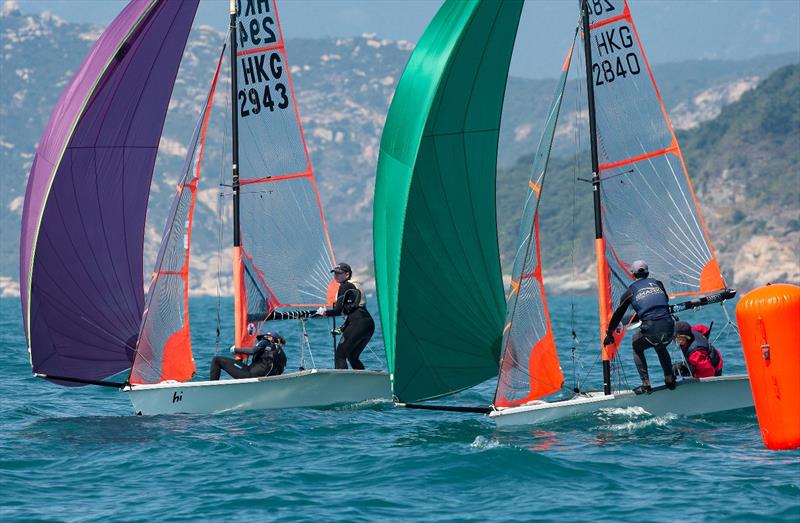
(671, 30)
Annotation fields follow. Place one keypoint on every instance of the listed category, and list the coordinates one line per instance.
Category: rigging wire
(728, 323)
(220, 216)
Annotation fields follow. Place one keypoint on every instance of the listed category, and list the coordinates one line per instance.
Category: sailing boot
(644, 388)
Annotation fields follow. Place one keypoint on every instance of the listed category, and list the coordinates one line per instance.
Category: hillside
(745, 166)
(344, 87)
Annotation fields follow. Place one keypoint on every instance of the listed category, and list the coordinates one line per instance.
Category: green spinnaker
(437, 265)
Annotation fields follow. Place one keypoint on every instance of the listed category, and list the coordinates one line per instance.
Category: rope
(589, 372)
(374, 354)
(622, 377)
(304, 344)
(728, 323)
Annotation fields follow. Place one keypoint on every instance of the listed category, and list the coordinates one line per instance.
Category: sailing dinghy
(436, 245)
(85, 313)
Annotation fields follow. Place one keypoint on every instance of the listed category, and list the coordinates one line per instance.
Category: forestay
(286, 255)
(529, 368)
(649, 210)
(84, 213)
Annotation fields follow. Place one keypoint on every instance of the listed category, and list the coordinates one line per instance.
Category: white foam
(484, 443)
(629, 412)
(632, 426)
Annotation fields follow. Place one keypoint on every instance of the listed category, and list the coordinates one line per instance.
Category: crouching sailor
(703, 358)
(267, 359)
(358, 327)
(649, 299)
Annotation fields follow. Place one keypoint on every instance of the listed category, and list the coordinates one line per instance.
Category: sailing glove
(609, 339)
(321, 311)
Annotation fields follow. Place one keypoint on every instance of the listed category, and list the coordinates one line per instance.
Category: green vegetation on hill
(758, 135)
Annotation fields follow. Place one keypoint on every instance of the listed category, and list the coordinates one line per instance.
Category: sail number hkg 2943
(260, 73)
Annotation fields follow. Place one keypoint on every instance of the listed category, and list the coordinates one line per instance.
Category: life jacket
(701, 343)
(348, 307)
(649, 300)
(269, 357)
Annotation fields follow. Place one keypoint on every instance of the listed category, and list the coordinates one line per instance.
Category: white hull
(307, 388)
(691, 398)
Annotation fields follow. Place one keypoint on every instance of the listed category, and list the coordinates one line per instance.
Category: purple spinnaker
(84, 215)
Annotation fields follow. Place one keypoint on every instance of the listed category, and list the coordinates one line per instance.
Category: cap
(683, 328)
(639, 268)
(342, 268)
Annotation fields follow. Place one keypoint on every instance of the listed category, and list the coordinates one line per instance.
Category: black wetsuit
(649, 299)
(357, 329)
(268, 360)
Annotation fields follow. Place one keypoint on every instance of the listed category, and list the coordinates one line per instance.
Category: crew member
(268, 359)
(703, 358)
(649, 300)
(358, 326)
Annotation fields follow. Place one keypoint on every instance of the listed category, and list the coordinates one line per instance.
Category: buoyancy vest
(700, 343)
(649, 300)
(268, 358)
(350, 304)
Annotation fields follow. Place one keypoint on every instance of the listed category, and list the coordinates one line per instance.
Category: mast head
(639, 269)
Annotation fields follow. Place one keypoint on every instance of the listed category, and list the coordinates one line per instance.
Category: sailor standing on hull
(359, 327)
(649, 299)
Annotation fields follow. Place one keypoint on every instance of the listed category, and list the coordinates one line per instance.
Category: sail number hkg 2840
(609, 43)
(608, 71)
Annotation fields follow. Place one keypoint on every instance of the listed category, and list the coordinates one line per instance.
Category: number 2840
(609, 70)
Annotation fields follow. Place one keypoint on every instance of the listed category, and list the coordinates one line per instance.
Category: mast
(240, 307)
(234, 129)
(603, 283)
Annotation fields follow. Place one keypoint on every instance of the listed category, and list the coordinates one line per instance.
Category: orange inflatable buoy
(769, 324)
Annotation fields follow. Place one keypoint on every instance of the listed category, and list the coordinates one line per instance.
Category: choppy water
(79, 454)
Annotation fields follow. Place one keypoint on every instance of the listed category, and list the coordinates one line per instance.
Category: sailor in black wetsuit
(268, 359)
(358, 328)
(649, 299)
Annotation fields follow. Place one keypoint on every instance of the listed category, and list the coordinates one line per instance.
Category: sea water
(79, 454)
